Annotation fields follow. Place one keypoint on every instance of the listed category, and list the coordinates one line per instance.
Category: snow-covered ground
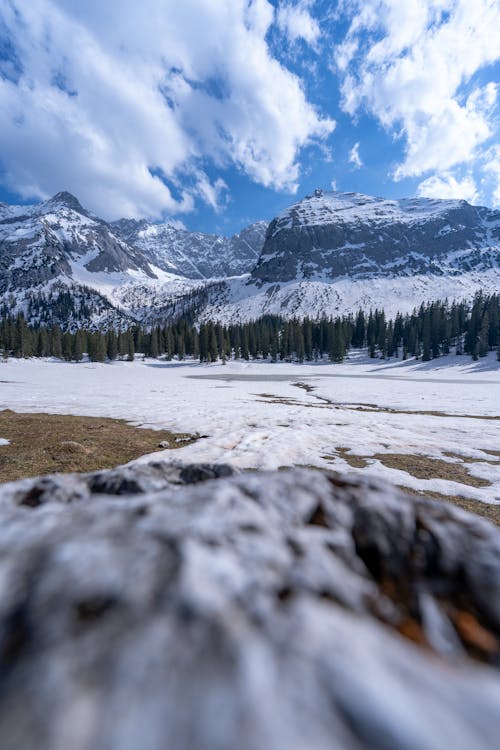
(244, 301)
(260, 415)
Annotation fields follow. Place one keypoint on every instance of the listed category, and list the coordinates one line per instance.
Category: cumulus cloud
(296, 22)
(447, 186)
(124, 103)
(411, 64)
(491, 172)
(354, 157)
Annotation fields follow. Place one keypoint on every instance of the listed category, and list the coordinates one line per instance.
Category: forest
(435, 329)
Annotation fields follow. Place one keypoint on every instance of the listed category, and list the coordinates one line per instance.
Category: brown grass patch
(422, 467)
(305, 387)
(49, 443)
(424, 413)
(491, 512)
(357, 462)
(471, 459)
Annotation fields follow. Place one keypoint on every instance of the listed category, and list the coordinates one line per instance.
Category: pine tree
(112, 344)
(130, 347)
(78, 346)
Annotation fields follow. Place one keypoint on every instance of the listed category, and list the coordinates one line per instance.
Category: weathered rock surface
(190, 607)
(327, 236)
(195, 255)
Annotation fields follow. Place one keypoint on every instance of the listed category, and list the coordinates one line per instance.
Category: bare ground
(50, 443)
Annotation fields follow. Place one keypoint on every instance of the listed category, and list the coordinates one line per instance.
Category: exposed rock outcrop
(195, 255)
(193, 608)
(332, 235)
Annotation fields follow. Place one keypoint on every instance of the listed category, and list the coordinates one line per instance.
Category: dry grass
(471, 459)
(49, 443)
(491, 512)
(305, 387)
(422, 467)
(357, 462)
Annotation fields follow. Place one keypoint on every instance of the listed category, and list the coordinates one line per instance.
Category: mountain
(327, 236)
(114, 272)
(328, 254)
(60, 240)
(194, 255)
(332, 253)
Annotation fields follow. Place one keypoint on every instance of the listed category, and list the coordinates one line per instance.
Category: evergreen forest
(435, 329)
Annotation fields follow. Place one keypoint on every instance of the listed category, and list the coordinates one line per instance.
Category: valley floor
(431, 427)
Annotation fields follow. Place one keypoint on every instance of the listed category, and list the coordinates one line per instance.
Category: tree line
(435, 329)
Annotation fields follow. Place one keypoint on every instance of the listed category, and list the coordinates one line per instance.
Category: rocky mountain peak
(67, 200)
(328, 235)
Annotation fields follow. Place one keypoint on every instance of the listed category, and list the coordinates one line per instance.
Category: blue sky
(221, 112)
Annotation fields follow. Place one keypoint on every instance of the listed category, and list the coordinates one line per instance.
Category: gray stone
(332, 235)
(194, 608)
(194, 255)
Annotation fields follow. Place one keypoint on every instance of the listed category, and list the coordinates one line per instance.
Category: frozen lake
(261, 415)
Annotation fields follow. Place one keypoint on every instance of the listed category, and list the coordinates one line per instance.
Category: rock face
(330, 235)
(329, 254)
(59, 239)
(193, 254)
(56, 254)
(193, 608)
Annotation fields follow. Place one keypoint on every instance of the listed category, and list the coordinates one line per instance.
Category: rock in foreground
(193, 608)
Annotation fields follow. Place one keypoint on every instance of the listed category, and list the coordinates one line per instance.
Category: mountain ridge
(326, 254)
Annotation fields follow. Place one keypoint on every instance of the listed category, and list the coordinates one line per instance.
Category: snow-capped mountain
(333, 253)
(114, 272)
(59, 239)
(327, 236)
(328, 254)
(193, 254)
(58, 261)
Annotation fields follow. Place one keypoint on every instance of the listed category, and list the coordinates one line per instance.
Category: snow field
(255, 415)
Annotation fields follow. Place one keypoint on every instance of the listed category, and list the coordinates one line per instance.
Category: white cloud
(214, 194)
(409, 64)
(107, 98)
(333, 185)
(296, 22)
(354, 157)
(447, 186)
(491, 171)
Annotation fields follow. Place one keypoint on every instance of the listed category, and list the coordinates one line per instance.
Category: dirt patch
(357, 462)
(491, 512)
(326, 403)
(268, 398)
(471, 459)
(49, 443)
(305, 387)
(422, 467)
(432, 413)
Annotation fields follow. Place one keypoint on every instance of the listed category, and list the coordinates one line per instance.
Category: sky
(217, 113)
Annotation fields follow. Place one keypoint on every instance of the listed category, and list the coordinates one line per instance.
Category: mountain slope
(193, 254)
(332, 253)
(59, 239)
(330, 235)
(329, 254)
